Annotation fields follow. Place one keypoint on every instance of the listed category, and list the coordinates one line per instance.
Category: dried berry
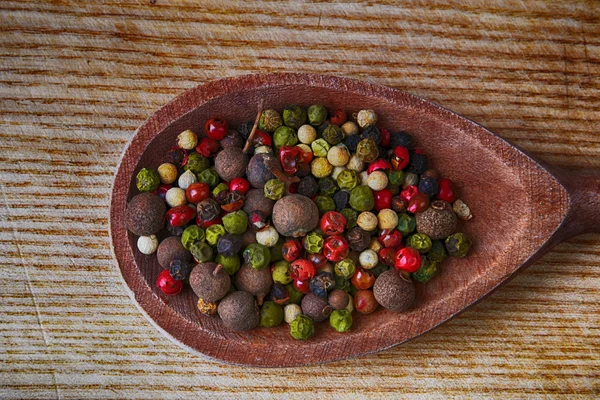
(295, 215)
(256, 201)
(394, 292)
(271, 314)
(239, 312)
(209, 281)
(147, 180)
(230, 163)
(401, 139)
(316, 114)
(428, 186)
(338, 299)
(372, 132)
(257, 256)
(315, 307)
(232, 139)
(294, 116)
(418, 162)
(254, 281)
(426, 271)
(322, 283)
(171, 249)
(274, 189)
(269, 120)
(361, 199)
(333, 134)
(145, 214)
(308, 186)
(302, 327)
(229, 244)
(458, 244)
(438, 221)
(367, 150)
(259, 169)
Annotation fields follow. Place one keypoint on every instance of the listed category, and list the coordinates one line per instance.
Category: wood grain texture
(78, 78)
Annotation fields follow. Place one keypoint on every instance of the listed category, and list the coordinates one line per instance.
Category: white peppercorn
(186, 179)
(175, 197)
(290, 312)
(187, 140)
(147, 244)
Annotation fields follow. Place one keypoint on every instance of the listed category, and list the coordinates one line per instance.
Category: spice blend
(299, 217)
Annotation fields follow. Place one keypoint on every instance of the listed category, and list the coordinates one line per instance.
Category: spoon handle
(583, 215)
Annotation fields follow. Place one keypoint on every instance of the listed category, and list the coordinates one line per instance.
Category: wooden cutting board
(77, 78)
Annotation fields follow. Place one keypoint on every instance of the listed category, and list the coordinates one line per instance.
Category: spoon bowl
(521, 207)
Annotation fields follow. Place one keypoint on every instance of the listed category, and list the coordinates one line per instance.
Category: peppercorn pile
(306, 218)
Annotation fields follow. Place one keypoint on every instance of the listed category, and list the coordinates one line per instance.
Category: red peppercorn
(409, 193)
(387, 255)
(262, 138)
(197, 192)
(400, 158)
(379, 165)
(289, 156)
(385, 137)
(407, 259)
(390, 238)
(418, 203)
(362, 279)
(167, 284)
(291, 250)
(317, 259)
(162, 190)
(339, 117)
(216, 128)
(239, 184)
(305, 156)
(208, 147)
(333, 223)
(335, 248)
(302, 286)
(180, 215)
(364, 302)
(383, 199)
(446, 191)
(202, 223)
(302, 270)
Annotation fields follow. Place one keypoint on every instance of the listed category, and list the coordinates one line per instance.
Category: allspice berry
(393, 291)
(255, 200)
(145, 214)
(171, 249)
(258, 172)
(438, 221)
(253, 281)
(232, 139)
(338, 299)
(209, 281)
(295, 215)
(239, 311)
(315, 307)
(230, 163)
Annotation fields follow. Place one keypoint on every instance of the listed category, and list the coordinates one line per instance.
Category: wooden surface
(77, 79)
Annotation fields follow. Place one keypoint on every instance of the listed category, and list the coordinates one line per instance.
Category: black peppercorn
(245, 129)
(418, 162)
(429, 186)
(180, 269)
(341, 199)
(177, 156)
(401, 139)
(328, 186)
(208, 209)
(358, 239)
(177, 230)
(229, 244)
(321, 283)
(352, 142)
(308, 186)
(279, 294)
(303, 170)
(372, 132)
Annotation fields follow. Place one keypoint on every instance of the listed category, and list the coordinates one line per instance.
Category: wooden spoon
(522, 208)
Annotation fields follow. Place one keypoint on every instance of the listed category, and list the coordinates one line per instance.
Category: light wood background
(76, 79)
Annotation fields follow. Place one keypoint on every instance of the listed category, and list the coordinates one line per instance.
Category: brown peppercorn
(258, 172)
(209, 281)
(256, 201)
(145, 214)
(239, 312)
(438, 221)
(232, 139)
(338, 299)
(171, 249)
(358, 238)
(295, 215)
(254, 281)
(393, 291)
(231, 162)
(315, 307)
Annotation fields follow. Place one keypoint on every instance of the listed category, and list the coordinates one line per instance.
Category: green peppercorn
(342, 283)
(345, 268)
(220, 188)
(327, 186)
(302, 328)
(340, 320)
(458, 244)
(333, 134)
(324, 204)
(420, 242)
(201, 252)
(438, 251)
(147, 180)
(269, 121)
(231, 265)
(271, 314)
(379, 269)
(347, 179)
(274, 189)
(213, 233)
(351, 217)
(257, 256)
(209, 176)
(367, 150)
(236, 222)
(281, 272)
(406, 223)
(191, 235)
(320, 147)
(276, 251)
(396, 177)
(284, 136)
(295, 295)
(313, 243)
(317, 114)
(361, 198)
(426, 271)
(294, 116)
(196, 163)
